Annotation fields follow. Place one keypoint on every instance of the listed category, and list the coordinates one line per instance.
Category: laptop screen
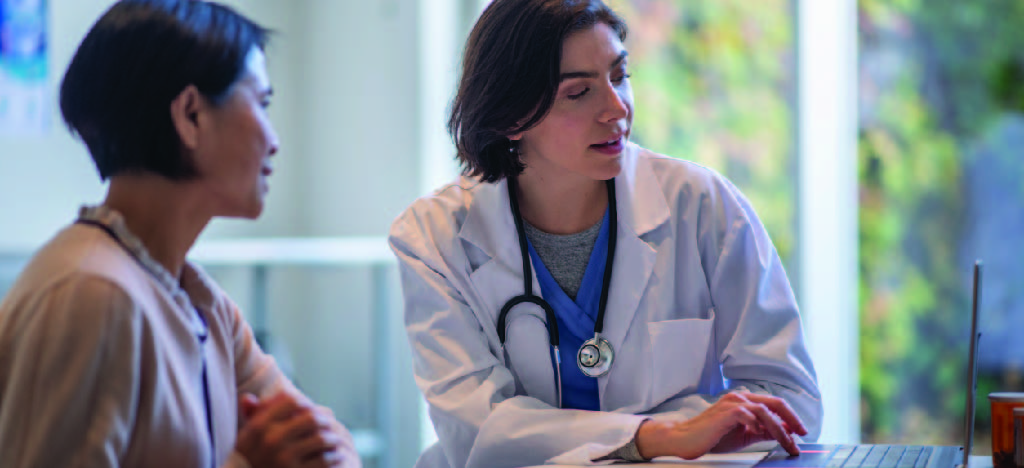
(972, 364)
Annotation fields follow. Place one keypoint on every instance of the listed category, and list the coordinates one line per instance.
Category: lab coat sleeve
(758, 339)
(758, 334)
(69, 398)
(471, 395)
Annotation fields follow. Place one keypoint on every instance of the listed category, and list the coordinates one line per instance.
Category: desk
(738, 460)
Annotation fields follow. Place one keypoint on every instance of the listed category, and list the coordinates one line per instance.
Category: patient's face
(234, 155)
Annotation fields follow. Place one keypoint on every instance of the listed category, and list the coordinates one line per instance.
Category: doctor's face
(234, 160)
(589, 123)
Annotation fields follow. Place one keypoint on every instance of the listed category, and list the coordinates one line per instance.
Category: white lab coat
(699, 304)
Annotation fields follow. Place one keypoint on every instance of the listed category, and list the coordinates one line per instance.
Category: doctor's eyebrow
(583, 74)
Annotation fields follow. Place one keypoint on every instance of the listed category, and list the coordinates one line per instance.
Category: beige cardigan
(100, 364)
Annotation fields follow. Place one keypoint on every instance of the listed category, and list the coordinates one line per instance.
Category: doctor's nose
(616, 107)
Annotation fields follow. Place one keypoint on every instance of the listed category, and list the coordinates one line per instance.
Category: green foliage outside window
(934, 77)
(713, 81)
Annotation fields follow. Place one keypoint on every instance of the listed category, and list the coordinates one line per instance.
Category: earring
(513, 147)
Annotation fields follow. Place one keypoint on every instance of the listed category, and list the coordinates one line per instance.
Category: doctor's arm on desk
(758, 337)
(736, 420)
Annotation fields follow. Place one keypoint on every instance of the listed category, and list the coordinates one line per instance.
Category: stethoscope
(595, 356)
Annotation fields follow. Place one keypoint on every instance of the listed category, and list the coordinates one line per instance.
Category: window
(941, 127)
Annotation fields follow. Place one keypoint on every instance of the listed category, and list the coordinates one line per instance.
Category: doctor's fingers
(781, 408)
(774, 426)
(775, 404)
(738, 409)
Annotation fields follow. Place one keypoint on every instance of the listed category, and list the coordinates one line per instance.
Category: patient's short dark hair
(140, 55)
(510, 76)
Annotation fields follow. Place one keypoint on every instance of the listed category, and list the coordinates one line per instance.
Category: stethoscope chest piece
(595, 357)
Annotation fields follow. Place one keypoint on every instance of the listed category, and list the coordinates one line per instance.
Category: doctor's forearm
(647, 439)
(662, 438)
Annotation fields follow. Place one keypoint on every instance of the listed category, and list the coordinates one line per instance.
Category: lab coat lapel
(489, 227)
(641, 209)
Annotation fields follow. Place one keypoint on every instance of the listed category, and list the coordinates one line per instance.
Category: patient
(114, 349)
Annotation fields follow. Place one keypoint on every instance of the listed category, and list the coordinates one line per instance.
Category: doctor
(577, 299)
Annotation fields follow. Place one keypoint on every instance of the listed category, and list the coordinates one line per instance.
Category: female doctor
(577, 299)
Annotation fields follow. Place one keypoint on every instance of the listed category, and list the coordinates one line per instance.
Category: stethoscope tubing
(528, 296)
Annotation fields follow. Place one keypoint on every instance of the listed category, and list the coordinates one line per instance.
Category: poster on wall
(24, 95)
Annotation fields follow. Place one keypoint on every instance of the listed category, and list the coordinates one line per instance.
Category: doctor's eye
(578, 95)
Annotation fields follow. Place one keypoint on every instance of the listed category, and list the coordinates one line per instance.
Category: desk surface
(739, 460)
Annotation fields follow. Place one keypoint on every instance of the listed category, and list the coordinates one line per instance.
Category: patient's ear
(185, 109)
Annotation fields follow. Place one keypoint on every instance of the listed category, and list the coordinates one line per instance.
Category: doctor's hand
(288, 430)
(731, 423)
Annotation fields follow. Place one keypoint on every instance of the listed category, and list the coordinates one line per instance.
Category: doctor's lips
(267, 170)
(610, 147)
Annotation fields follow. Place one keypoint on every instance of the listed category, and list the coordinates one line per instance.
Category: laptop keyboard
(880, 456)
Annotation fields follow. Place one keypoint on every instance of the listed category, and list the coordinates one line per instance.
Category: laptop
(896, 456)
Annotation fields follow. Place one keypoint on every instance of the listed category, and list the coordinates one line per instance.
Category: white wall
(43, 179)
(358, 125)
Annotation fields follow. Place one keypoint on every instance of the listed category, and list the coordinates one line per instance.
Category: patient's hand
(288, 430)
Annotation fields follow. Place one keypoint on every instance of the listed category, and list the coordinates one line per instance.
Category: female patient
(114, 349)
(575, 298)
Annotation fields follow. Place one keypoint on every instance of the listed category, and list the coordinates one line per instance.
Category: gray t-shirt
(565, 256)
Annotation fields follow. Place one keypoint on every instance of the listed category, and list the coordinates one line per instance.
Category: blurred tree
(927, 99)
(714, 83)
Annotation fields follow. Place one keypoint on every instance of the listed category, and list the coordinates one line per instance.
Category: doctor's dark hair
(117, 92)
(510, 76)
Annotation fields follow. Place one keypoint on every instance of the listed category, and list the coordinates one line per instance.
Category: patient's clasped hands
(289, 430)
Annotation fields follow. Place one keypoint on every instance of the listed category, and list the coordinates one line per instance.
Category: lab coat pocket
(679, 351)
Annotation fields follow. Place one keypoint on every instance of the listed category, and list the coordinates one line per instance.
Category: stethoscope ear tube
(613, 237)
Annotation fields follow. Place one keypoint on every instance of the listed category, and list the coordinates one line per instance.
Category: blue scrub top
(576, 320)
